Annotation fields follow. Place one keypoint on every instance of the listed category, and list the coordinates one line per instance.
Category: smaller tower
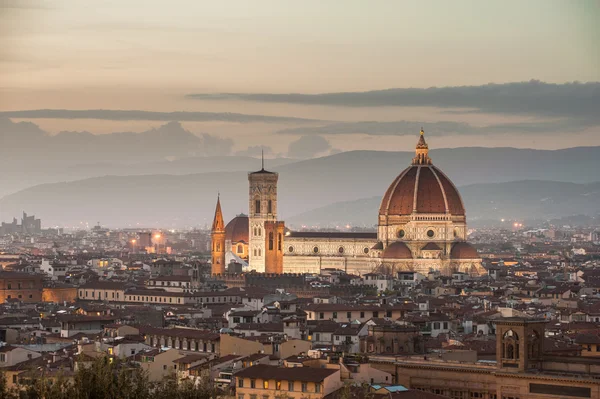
(519, 343)
(218, 241)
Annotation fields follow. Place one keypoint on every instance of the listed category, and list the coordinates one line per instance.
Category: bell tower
(262, 207)
(218, 242)
(519, 343)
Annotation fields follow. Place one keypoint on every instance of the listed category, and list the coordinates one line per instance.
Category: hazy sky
(148, 55)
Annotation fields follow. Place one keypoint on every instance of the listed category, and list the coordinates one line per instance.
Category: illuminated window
(265, 384)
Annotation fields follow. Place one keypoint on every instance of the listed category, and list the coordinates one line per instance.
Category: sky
(182, 55)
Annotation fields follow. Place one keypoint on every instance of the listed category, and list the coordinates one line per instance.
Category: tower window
(270, 241)
(270, 207)
(279, 240)
(257, 206)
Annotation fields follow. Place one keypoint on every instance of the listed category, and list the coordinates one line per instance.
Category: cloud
(577, 100)
(130, 115)
(215, 146)
(403, 128)
(255, 151)
(308, 147)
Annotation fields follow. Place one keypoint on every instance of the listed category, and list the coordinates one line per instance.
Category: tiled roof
(304, 374)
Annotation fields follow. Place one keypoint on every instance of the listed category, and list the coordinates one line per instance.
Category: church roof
(332, 234)
(397, 250)
(463, 250)
(237, 230)
(421, 188)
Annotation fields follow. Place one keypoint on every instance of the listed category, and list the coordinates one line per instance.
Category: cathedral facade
(421, 227)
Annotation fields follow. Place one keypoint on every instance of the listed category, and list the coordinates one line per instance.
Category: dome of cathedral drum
(422, 221)
(237, 230)
(421, 189)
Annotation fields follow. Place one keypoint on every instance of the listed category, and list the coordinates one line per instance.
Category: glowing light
(157, 236)
(502, 220)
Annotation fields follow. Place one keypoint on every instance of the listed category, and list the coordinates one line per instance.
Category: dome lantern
(422, 151)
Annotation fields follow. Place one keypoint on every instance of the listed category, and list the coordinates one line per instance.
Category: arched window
(269, 207)
(259, 252)
(257, 206)
(510, 351)
(533, 345)
(510, 345)
(270, 241)
(240, 249)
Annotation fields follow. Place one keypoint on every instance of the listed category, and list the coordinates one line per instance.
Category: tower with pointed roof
(218, 241)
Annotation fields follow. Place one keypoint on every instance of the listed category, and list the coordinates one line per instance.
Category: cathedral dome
(397, 250)
(463, 250)
(421, 188)
(237, 230)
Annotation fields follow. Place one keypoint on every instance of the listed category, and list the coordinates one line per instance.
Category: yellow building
(270, 382)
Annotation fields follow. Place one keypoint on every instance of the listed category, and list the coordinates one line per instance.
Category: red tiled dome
(237, 230)
(422, 189)
(397, 250)
(463, 250)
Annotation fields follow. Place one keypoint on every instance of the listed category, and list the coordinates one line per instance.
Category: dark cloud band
(128, 115)
(575, 99)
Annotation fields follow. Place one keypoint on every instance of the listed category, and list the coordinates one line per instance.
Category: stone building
(421, 227)
(22, 286)
(521, 370)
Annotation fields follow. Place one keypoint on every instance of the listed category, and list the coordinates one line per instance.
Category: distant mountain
(520, 200)
(188, 200)
(30, 156)
(120, 179)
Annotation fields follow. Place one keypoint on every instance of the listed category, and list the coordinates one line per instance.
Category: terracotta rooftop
(304, 374)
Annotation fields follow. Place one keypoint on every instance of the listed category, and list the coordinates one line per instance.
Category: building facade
(521, 369)
(21, 286)
(421, 227)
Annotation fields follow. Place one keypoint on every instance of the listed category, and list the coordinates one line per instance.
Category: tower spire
(218, 241)
(422, 151)
(218, 223)
(262, 158)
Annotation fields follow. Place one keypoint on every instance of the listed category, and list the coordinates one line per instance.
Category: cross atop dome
(422, 151)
